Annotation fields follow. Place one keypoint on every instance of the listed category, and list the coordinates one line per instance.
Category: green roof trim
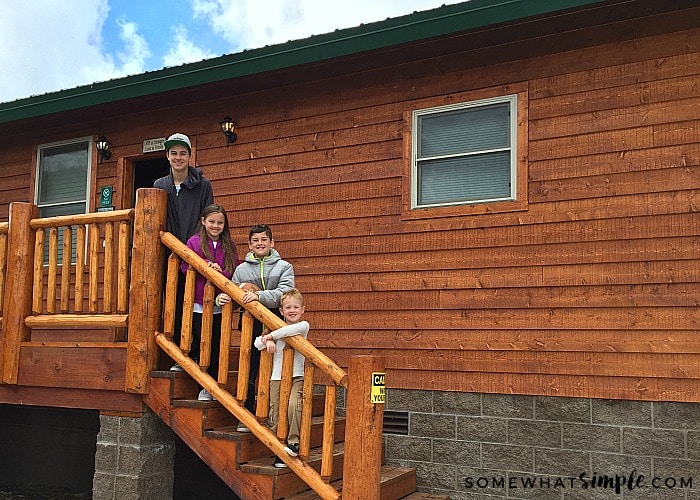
(409, 28)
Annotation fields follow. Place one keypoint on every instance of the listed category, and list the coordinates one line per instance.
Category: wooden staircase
(242, 461)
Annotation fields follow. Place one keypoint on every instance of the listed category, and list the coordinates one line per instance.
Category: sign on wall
(151, 145)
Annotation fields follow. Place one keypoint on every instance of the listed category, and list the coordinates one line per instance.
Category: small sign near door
(105, 196)
(151, 145)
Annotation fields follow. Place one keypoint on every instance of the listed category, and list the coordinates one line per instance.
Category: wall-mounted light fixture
(228, 127)
(102, 146)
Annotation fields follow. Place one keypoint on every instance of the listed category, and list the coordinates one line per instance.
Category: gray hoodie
(271, 274)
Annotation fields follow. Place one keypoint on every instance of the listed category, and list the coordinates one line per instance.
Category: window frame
(40, 148)
(519, 151)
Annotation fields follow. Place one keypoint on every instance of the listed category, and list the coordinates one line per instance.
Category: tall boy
(292, 309)
(264, 268)
(189, 193)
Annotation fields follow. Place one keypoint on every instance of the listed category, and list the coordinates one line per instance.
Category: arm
(301, 328)
(207, 194)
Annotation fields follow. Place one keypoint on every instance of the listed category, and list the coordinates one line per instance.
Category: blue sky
(48, 45)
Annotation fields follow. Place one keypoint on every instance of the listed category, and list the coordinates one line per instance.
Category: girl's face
(214, 225)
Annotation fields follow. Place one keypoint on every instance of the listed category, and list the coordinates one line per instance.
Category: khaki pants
(293, 411)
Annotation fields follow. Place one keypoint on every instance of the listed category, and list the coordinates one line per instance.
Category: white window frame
(38, 176)
(512, 100)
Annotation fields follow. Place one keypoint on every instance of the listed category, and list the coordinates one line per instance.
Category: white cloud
(182, 50)
(45, 45)
(256, 23)
(136, 52)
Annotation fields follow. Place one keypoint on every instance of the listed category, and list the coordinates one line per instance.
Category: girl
(213, 244)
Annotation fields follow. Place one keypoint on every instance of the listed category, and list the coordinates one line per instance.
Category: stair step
(284, 482)
(251, 449)
(396, 483)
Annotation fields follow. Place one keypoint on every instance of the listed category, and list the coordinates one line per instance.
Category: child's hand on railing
(222, 299)
(268, 341)
(214, 266)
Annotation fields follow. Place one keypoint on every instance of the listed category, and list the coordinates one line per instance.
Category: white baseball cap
(178, 139)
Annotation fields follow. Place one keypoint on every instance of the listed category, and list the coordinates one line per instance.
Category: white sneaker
(242, 428)
(205, 396)
(176, 368)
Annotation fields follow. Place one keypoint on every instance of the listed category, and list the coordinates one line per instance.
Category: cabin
(490, 208)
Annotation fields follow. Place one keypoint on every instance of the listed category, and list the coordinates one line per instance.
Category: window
(63, 170)
(465, 153)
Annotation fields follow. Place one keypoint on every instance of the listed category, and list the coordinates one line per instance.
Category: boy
(264, 268)
(292, 309)
(189, 193)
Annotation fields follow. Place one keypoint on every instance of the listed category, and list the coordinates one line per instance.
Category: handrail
(89, 239)
(78, 219)
(319, 482)
(259, 311)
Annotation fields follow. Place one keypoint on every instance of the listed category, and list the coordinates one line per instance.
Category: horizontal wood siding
(589, 289)
(590, 292)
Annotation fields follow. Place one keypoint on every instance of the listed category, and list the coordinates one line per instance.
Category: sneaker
(242, 428)
(176, 368)
(279, 464)
(292, 449)
(204, 396)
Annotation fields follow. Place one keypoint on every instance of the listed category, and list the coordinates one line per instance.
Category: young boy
(264, 268)
(292, 309)
(189, 193)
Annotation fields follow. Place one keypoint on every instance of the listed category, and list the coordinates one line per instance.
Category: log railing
(102, 245)
(83, 282)
(118, 282)
(316, 361)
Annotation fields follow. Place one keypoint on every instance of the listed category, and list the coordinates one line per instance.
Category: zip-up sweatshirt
(271, 274)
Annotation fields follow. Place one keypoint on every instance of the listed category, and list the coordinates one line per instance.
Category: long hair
(230, 252)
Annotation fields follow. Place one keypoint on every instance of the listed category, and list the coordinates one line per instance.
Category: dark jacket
(185, 209)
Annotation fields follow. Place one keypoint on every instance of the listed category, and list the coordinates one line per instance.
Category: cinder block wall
(134, 459)
(483, 446)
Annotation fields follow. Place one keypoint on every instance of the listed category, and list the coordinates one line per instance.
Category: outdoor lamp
(228, 127)
(102, 146)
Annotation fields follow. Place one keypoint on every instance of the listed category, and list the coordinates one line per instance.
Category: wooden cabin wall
(590, 292)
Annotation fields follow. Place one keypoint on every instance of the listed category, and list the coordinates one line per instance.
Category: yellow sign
(378, 395)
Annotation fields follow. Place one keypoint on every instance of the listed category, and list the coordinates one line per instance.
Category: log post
(363, 431)
(146, 290)
(18, 303)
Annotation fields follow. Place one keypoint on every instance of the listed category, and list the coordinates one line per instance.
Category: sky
(52, 45)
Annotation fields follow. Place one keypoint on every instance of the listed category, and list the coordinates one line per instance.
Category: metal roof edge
(393, 31)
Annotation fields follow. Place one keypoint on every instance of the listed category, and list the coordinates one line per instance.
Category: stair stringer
(219, 455)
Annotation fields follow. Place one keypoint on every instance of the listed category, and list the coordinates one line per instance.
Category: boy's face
(179, 158)
(292, 309)
(260, 244)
